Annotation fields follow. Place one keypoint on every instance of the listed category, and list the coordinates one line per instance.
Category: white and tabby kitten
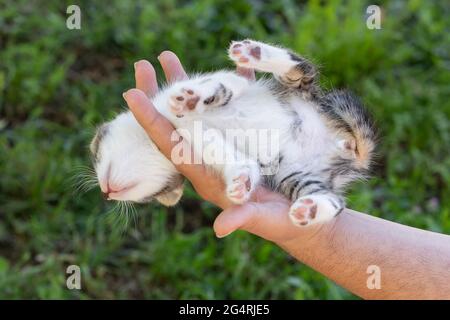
(326, 140)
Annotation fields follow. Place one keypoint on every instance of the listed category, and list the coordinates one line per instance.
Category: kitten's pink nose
(110, 189)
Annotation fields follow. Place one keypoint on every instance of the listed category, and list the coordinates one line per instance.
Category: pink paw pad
(239, 190)
(255, 52)
(304, 212)
(187, 99)
(244, 180)
(245, 51)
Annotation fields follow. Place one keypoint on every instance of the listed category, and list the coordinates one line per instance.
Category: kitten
(325, 140)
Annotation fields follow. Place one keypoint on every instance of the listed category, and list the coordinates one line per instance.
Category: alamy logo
(216, 147)
(374, 280)
(74, 279)
(74, 20)
(373, 20)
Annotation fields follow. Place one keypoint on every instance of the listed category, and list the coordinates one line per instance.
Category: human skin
(411, 263)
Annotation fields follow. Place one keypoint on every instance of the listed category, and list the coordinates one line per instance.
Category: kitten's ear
(170, 198)
(348, 146)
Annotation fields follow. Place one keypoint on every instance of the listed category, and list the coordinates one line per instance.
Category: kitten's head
(129, 167)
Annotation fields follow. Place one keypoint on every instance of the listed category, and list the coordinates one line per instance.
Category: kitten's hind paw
(313, 209)
(245, 53)
(241, 178)
(238, 190)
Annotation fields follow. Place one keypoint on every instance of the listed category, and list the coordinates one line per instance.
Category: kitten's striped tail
(350, 117)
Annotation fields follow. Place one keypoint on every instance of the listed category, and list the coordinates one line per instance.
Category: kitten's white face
(129, 167)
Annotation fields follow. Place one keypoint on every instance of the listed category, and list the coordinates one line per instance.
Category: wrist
(307, 240)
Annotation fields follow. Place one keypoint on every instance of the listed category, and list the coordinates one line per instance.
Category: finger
(247, 73)
(262, 194)
(145, 76)
(157, 127)
(234, 218)
(172, 66)
(161, 131)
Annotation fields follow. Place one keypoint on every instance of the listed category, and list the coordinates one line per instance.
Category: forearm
(413, 264)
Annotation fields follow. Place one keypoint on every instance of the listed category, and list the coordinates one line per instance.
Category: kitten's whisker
(83, 179)
(134, 215)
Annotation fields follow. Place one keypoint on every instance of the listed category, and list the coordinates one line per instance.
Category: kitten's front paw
(239, 188)
(245, 53)
(182, 101)
(313, 209)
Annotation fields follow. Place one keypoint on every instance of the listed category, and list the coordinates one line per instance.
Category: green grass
(57, 84)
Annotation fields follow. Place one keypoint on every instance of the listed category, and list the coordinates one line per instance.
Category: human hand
(161, 131)
(266, 215)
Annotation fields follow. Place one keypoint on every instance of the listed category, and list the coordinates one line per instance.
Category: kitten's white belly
(258, 112)
(315, 141)
(263, 116)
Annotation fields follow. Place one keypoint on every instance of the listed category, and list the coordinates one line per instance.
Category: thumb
(158, 128)
(234, 218)
(142, 108)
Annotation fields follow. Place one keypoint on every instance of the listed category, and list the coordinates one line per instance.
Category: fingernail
(160, 55)
(124, 95)
(139, 62)
(224, 235)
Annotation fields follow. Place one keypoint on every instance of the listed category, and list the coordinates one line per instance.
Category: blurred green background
(57, 84)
